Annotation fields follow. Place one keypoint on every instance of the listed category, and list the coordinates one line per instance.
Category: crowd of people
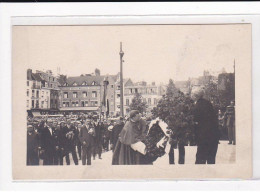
(51, 140)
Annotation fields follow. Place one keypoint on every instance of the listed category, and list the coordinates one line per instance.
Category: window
(51, 85)
(67, 104)
(75, 94)
(84, 94)
(42, 104)
(118, 95)
(32, 93)
(86, 103)
(94, 94)
(37, 94)
(136, 90)
(77, 103)
(118, 87)
(112, 86)
(42, 93)
(155, 101)
(37, 104)
(27, 83)
(65, 95)
(127, 102)
(32, 103)
(149, 101)
(64, 104)
(93, 83)
(73, 103)
(75, 84)
(83, 84)
(27, 103)
(144, 100)
(82, 103)
(93, 103)
(27, 92)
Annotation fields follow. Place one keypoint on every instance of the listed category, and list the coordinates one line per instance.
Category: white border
(176, 13)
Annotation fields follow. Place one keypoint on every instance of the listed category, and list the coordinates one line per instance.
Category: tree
(175, 108)
(138, 103)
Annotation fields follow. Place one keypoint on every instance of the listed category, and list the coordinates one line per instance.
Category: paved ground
(225, 155)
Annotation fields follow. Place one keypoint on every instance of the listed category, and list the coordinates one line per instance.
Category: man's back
(207, 123)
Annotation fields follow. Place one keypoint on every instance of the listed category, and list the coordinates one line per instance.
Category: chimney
(97, 72)
(29, 74)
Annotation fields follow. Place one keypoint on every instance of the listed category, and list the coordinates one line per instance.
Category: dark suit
(99, 130)
(47, 144)
(115, 134)
(87, 141)
(32, 148)
(59, 147)
(76, 140)
(206, 131)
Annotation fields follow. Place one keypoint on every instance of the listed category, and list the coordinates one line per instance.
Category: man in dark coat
(99, 131)
(58, 139)
(86, 137)
(47, 144)
(206, 129)
(70, 144)
(32, 146)
(116, 131)
(106, 136)
(77, 143)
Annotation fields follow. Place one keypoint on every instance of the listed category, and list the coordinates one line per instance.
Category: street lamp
(121, 53)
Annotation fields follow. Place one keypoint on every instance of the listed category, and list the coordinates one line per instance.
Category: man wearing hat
(32, 146)
(99, 131)
(86, 137)
(206, 128)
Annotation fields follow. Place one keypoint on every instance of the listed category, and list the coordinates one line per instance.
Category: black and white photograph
(103, 98)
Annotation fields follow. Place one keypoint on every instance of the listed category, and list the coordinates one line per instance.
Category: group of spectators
(49, 141)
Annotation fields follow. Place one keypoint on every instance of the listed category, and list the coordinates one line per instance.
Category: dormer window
(83, 84)
(75, 84)
(94, 83)
(66, 84)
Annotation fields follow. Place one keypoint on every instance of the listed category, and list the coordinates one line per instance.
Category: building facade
(150, 94)
(33, 88)
(88, 93)
(42, 92)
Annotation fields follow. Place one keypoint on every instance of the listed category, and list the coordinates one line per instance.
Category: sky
(152, 52)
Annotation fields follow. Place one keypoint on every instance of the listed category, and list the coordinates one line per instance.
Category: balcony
(36, 87)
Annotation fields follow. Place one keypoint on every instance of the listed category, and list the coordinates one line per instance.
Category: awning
(36, 113)
(79, 108)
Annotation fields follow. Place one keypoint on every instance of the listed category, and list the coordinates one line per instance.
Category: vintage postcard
(125, 102)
